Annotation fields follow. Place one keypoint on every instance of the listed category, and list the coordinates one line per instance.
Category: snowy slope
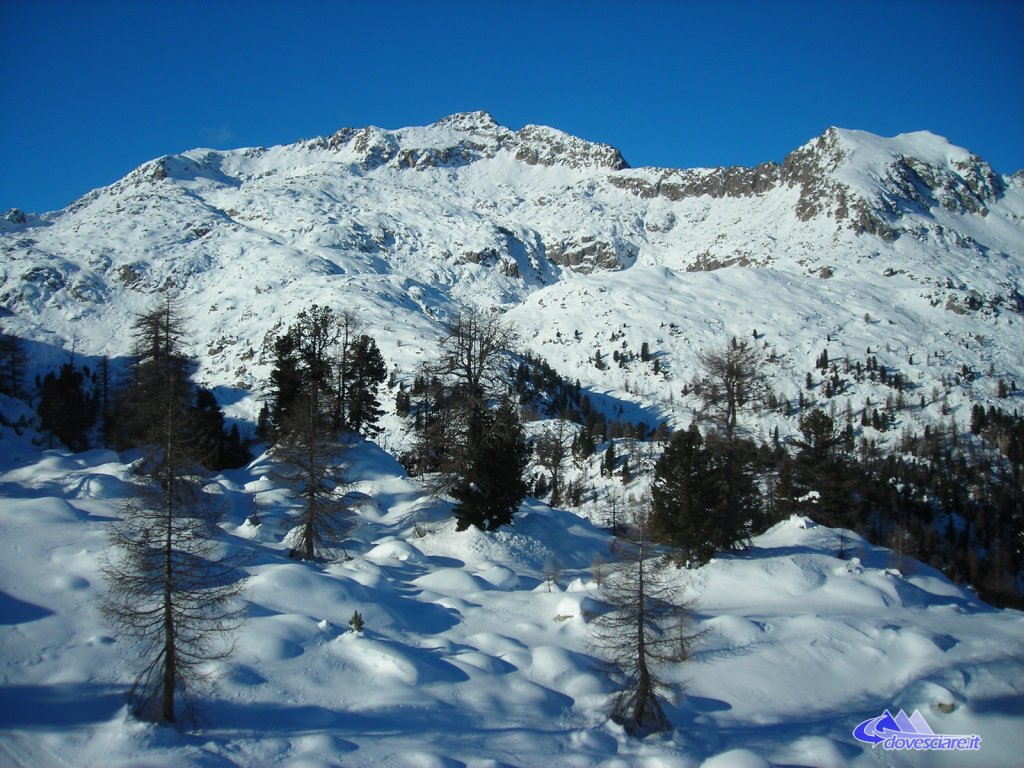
(906, 246)
(476, 649)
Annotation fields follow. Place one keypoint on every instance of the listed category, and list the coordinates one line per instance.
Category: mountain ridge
(406, 225)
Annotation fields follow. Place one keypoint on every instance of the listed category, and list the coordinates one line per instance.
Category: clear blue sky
(90, 89)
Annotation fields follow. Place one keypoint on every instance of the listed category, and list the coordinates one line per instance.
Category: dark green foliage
(356, 623)
(158, 395)
(608, 462)
(492, 486)
(822, 472)
(403, 402)
(364, 372)
(704, 497)
(12, 365)
(681, 497)
(220, 448)
(65, 407)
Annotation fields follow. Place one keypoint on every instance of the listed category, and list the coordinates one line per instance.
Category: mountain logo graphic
(902, 732)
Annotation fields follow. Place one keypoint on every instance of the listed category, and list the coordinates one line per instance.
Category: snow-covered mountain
(477, 649)
(908, 247)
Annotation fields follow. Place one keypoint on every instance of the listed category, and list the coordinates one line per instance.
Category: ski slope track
(477, 648)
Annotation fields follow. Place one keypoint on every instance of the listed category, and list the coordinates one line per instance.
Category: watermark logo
(913, 733)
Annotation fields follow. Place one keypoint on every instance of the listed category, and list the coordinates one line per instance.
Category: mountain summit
(922, 237)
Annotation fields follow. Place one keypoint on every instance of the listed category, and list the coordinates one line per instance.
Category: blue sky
(91, 89)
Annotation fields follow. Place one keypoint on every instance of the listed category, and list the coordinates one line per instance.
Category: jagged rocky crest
(412, 222)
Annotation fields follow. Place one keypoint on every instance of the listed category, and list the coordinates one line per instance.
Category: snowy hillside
(909, 249)
(477, 648)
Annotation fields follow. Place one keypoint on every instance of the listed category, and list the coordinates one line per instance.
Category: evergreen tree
(821, 470)
(492, 487)
(158, 394)
(681, 497)
(303, 362)
(66, 409)
(12, 364)
(608, 461)
(736, 499)
(365, 371)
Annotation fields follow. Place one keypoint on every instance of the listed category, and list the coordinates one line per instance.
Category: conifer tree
(493, 487)
(647, 624)
(821, 470)
(12, 364)
(307, 432)
(732, 379)
(365, 371)
(66, 409)
(681, 497)
(170, 587)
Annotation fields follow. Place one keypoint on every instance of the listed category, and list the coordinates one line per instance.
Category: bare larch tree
(646, 624)
(170, 585)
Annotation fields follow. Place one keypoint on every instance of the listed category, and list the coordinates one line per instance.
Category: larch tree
(646, 626)
(171, 587)
(731, 380)
(460, 438)
(552, 447)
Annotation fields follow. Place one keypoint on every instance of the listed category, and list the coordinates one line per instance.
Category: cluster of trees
(469, 435)
(12, 365)
(82, 407)
(954, 501)
(323, 391)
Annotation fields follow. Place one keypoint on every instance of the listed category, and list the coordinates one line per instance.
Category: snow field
(476, 649)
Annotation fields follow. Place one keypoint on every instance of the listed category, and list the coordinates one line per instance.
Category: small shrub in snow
(356, 623)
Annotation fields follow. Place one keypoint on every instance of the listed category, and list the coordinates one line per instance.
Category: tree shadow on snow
(61, 705)
(15, 611)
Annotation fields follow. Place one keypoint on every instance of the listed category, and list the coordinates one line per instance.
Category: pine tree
(821, 467)
(365, 371)
(66, 409)
(159, 378)
(608, 461)
(681, 497)
(12, 364)
(493, 487)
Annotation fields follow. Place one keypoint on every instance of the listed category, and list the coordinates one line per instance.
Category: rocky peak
(469, 122)
(541, 145)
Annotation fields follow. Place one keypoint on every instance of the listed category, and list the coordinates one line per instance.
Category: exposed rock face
(587, 253)
(961, 186)
(540, 145)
